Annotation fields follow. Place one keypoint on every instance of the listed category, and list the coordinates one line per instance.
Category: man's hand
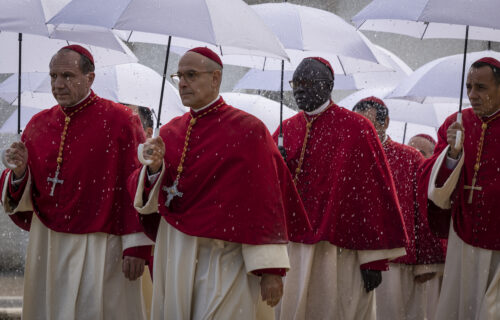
(271, 288)
(421, 278)
(18, 154)
(133, 267)
(371, 278)
(451, 138)
(154, 149)
(282, 151)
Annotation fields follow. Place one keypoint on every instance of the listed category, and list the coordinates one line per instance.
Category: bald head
(423, 145)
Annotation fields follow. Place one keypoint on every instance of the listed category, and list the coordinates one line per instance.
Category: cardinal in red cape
(461, 184)
(67, 186)
(424, 143)
(226, 200)
(402, 294)
(346, 186)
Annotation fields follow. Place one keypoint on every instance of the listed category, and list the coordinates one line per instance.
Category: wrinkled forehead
(65, 59)
(482, 74)
(310, 69)
(193, 61)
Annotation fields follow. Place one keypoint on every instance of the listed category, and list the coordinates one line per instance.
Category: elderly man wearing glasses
(226, 204)
(342, 175)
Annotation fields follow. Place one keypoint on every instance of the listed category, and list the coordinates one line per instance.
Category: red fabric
(373, 99)
(99, 154)
(426, 137)
(476, 224)
(345, 184)
(15, 193)
(204, 51)
(323, 61)
(142, 252)
(275, 271)
(81, 50)
(21, 219)
(423, 247)
(491, 61)
(236, 185)
(381, 265)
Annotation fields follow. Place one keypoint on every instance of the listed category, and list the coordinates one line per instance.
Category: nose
(471, 93)
(58, 82)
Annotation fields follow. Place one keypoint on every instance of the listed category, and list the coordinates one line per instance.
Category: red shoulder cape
(99, 155)
(236, 185)
(423, 247)
(345, 184)
(476, 224)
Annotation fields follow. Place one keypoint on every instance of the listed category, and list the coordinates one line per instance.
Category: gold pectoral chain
(477, 165)
(59, 159)
(309, 124)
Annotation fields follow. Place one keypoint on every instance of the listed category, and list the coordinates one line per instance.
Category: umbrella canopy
(128, 83)
(230, 23)
(38, 50)
(264, 109)
(432, 18)
(438, 80)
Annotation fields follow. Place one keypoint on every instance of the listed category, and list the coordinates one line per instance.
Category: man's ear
(386, 123)
(91, 77)
(217, 79)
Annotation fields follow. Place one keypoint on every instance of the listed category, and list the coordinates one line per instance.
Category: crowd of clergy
(327, 218)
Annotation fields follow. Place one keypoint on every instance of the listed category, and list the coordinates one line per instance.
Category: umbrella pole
(280, 136)
(459, 115)
(404, 132)
(19, 86)
(163, 84)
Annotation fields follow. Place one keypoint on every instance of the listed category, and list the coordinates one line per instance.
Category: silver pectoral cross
(472, 188)
(54, 182)
(172, 192)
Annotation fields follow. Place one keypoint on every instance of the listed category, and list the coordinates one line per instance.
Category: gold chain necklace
(67, 120)
(304, 145)
(477, 165)
(172, 191)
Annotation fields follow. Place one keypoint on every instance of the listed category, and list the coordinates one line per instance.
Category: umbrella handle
(140, 155)
(6, 163)
(458, 138)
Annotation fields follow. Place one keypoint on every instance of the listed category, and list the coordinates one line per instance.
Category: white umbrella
(260, 107)
(39, 50)
(438, 80)
(478, 16)
(127, 83)
(229, 23)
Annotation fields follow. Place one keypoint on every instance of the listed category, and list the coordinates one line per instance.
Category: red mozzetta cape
(477, 223)
(236, 185)
(345, 183)
(99, 154)
(423, 247)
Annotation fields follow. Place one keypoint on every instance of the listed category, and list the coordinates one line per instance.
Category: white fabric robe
(471, 281)
(76, 276)
(325, 283)
(399, 296)
(200, 278)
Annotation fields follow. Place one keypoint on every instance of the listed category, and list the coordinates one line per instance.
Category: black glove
(371, 278)
(282, 151)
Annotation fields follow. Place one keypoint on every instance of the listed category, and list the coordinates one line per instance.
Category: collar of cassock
(196, 112)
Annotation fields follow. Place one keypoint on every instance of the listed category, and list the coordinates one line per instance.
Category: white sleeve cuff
(366, 256)
(452, 163)
(265, 256)
(135, 240)
(152, 178)
(17, 181)
(151, 206)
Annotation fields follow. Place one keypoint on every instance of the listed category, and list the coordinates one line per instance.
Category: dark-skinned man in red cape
(403, 293)
(461, 180)
(343, 178)
(227, 205)
(68, 188)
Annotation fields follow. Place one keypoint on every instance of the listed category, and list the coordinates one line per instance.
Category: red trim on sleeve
(275, 271)
(143, 252)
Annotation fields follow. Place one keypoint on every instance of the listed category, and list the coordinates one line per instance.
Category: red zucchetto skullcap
(491, 61)
(426, 137)
(207, 53)
(323, 61)
(374, 99)
(81, 50)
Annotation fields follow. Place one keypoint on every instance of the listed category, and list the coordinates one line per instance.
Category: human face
(313, 84)
(423, 145)
(202, 88)
(483, 91)
(69, 84)
(371, 114)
